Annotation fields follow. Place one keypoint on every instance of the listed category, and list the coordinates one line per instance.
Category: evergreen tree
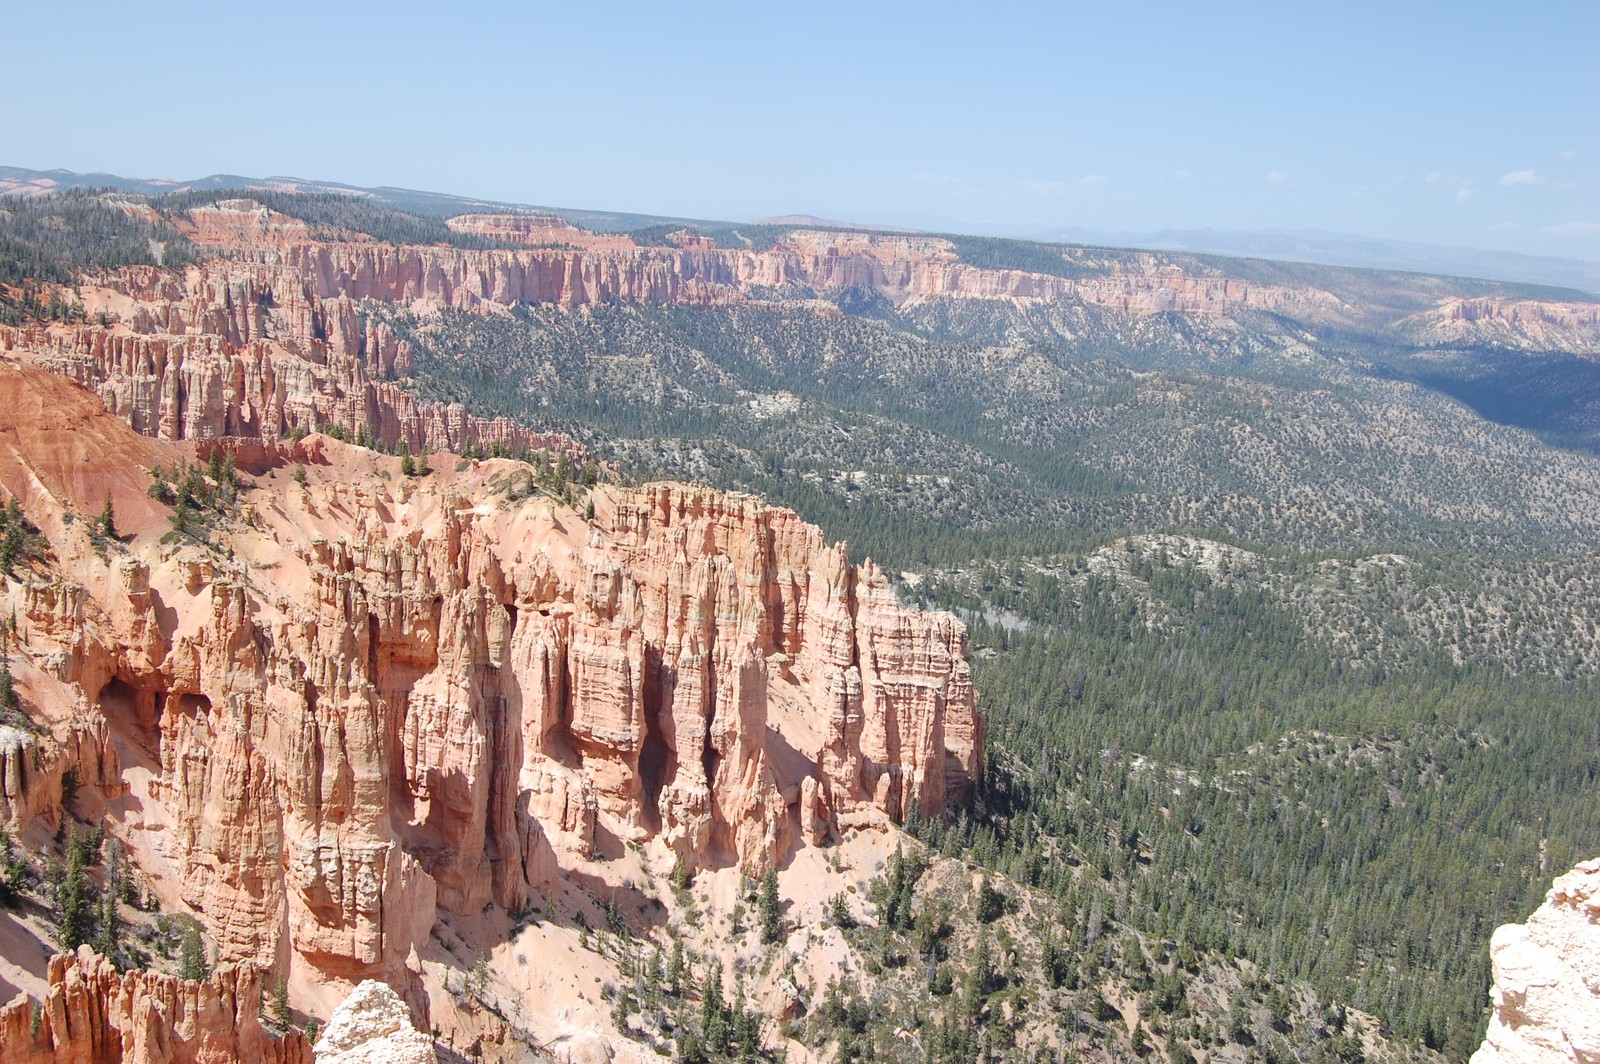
(713, 1012)
(839, 912)
(9, 701)
(72, 898)
(108, 933)
(991, 902)
(192, 963)
(14, 542)
(11, 870)
(768, 905)
(1052, 961)
(108, 520)
(280, 1003)
(675, 968)
(975, 981)
(896, 894)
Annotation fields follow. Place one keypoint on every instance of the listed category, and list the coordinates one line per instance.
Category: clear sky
(1465, 123)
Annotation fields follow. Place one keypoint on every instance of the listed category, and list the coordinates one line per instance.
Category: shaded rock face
(1546, 992)
(381, 697)
(373, 1026)
(94, 1015)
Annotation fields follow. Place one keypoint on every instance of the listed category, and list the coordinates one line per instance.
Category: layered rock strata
(272, 336)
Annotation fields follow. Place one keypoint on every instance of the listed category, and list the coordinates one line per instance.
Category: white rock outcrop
(1546, 990)
(373, 1026)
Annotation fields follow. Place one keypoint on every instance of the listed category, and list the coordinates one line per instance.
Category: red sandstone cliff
(221, 374)
(904, 268)
(94, 1015)
(376, 699)
(1507, 322)
(270, 336)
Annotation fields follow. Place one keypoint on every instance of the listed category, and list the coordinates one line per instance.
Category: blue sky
(1466, 123)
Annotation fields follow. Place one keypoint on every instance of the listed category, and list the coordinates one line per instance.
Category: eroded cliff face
(271, 336)
(188, 368)
(1513, 323)
(373, 699)
(1546, 991)
(95, 1015)
(902, 268)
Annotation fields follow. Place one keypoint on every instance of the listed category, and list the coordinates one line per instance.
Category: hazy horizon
(1439, 125)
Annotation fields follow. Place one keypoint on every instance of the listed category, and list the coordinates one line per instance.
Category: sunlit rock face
(377, 698)
(1546, 991)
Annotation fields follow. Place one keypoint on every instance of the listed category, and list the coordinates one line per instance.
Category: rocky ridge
(270, 336)
(204, 371)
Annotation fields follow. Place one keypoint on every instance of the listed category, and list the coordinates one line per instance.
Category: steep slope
(330, 713)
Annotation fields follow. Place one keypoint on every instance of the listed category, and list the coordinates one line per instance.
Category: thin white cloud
(1092, 180)
(1434, 178)
(1278, 177)
(1464, 194)
(1521, 179)
(1506, 227)
(957, 186)
(1182, 175)
(1570, 153)
(1572, 229)
(1042, 188)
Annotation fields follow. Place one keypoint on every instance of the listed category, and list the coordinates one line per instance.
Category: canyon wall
(376, 698)
(902, 268)
(1513, 323)
(252, 348)
(270, 336)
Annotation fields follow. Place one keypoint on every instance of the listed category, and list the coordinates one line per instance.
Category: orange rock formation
(378, 698)
(94, 1015)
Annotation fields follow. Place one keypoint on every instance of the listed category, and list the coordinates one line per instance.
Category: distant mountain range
(1344, 249)
(19, 181)
(1290, 245)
